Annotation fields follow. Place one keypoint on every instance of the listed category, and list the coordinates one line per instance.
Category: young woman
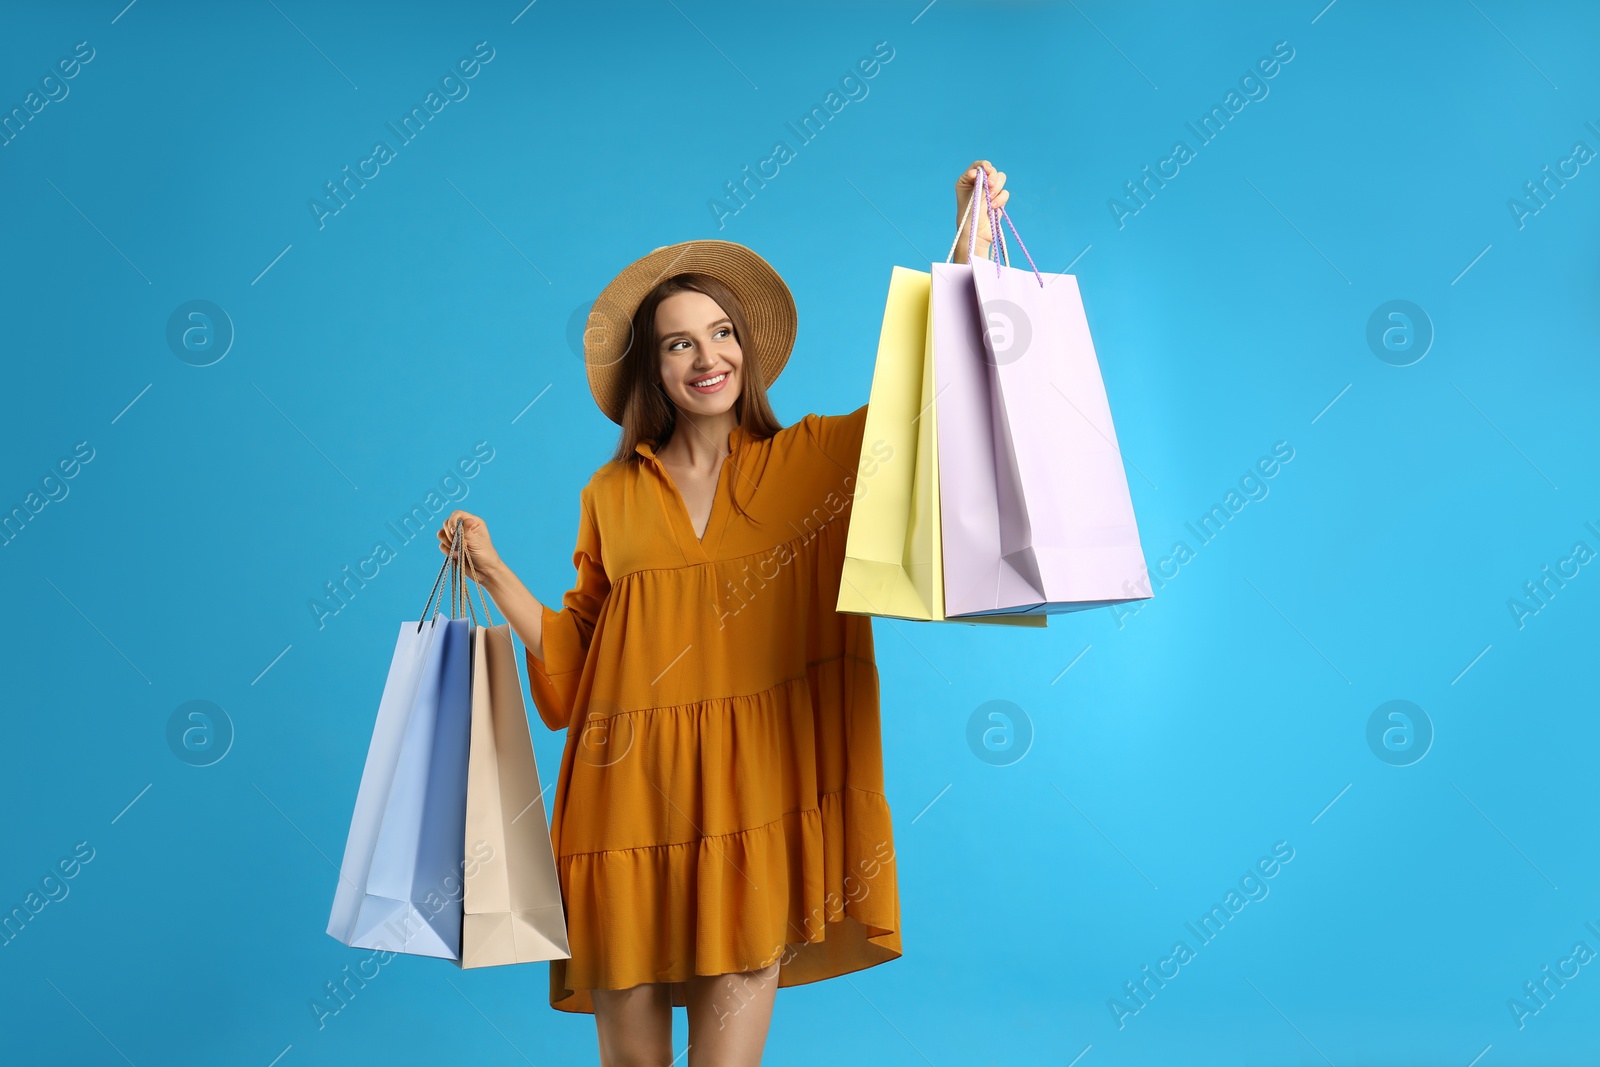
(719, 823)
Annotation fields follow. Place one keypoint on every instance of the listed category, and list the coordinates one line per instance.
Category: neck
(700, 441)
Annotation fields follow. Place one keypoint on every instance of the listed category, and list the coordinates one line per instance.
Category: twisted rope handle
(994, 221)
(437, 579)
(458, 549)
(455, 571)
(995, 215)
(970, 220)
(472, 567)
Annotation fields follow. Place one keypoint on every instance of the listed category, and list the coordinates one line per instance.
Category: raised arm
(838, 437)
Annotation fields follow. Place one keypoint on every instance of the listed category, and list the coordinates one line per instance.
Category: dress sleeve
(554, 682)
(838, 436)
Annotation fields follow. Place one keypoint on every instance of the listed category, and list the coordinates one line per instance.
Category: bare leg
(635, 1025)
(728, 1017)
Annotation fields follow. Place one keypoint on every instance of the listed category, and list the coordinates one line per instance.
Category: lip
(727, 375)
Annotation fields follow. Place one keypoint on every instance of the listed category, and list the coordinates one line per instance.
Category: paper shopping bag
(1066, 518)
(513, 910)
(892, 547)
(400, 883)
(1035, 511)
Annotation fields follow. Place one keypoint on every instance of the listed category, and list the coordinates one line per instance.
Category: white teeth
(710, 381)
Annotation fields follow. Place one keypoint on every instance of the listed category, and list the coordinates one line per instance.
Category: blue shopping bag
(400, 886)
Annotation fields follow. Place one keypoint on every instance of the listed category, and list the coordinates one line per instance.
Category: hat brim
(768, 307)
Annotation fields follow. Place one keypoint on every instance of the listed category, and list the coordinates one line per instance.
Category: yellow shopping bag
(893, 564)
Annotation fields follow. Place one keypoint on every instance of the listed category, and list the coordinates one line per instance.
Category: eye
(724, 329)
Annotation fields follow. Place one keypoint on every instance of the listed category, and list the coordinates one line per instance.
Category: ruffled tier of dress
(814, 890)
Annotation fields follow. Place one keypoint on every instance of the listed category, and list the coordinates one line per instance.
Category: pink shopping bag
(1034, 502)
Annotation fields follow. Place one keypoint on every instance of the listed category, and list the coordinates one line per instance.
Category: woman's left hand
(966, 188)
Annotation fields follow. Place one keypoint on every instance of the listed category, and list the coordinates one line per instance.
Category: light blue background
(1230, 313)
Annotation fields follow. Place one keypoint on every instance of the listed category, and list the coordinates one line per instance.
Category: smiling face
(696, 343)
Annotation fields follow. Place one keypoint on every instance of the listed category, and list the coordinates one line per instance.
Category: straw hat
(768, 306)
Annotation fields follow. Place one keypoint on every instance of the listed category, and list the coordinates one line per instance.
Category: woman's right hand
(475, 532)
(966, 189)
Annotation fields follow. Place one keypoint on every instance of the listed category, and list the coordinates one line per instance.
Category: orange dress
(720, 801)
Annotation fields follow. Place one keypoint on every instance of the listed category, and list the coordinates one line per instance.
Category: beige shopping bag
(512, 904)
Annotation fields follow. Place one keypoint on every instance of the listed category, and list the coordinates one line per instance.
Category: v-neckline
(687, 522)
(683, 505)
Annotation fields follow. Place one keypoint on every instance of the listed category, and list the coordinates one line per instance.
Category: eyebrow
(714, 322)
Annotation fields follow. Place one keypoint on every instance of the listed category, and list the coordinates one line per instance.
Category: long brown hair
(647, 413)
